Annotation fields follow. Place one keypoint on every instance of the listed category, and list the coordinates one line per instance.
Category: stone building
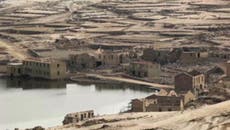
(99, 58)
(186, 96)
(164, 100)
(193, 81)
(151, 54)
(220, 53)
(157, 103)
(47, 69)
(77, 117)
(190, 56)
(84, 61)
(15, 69)
(113, 58)
(186, 55)
(137, 105)
(162, 56)
(145, 69)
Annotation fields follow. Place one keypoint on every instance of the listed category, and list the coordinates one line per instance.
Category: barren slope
(213, 117)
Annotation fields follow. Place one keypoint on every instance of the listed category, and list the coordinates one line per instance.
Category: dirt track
(120, 79)
(13, 50)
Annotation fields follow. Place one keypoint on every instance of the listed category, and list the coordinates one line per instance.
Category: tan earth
(213, 117)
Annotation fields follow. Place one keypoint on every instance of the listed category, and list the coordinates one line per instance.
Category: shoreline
(97, 78)
(89, 79)
(109, 107)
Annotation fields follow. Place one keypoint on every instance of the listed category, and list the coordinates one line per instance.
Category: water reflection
(28, 83)
(28, 102)
(123, 86)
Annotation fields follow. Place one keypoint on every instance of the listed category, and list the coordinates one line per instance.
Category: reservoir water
(25, 104)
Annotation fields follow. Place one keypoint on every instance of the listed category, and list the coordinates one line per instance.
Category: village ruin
(179, 48)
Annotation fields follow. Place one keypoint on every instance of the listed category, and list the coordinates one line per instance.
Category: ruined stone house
(98, 58)
(144, 69)
(113, 58)
(151, 54)
(157, 103)
(164, 100)
(186, 96)
(137, 105)
(162, 56)
(77, 117)
(15, 69)
(84, 61)
(193, 81)
(193, 56)
(46, 69)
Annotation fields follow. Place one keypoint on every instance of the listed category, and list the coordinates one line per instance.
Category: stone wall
(77, 117)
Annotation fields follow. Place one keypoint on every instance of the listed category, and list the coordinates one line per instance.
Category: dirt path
(127, 80)
(15, 51)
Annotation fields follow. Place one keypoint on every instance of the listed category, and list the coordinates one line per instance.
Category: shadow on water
(31, 83)
(118, 86)
(123, 86)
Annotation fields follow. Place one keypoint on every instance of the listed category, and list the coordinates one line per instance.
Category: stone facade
(157, 103)
(15, 69)
(84, 61)
(163, 103)
(193, 81)
(38, 69)
(145, 69)
(187, 96)
(78, 116)
(138, 105)
(150, 54)
(188, 57)
(99, 58)
(113, 58)
(161, 56)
